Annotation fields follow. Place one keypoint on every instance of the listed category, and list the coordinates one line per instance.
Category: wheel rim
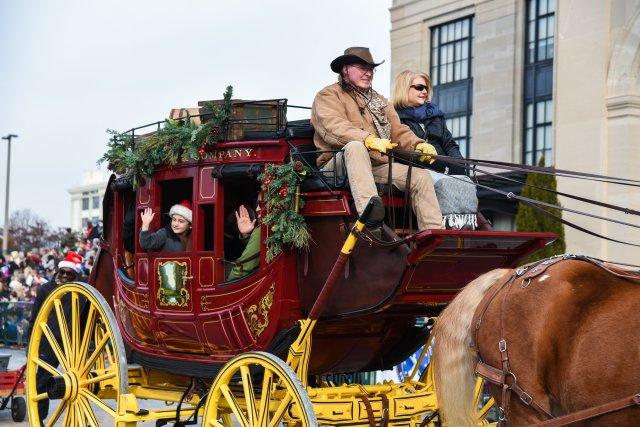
(257, 389)
(78, 326)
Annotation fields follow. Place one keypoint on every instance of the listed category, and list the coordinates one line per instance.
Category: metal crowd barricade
(14, 322)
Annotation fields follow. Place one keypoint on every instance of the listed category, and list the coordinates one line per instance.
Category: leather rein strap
(586, 414)
(506, 378)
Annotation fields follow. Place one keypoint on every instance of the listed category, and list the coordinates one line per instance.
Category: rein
(505, 377)
(534, 204)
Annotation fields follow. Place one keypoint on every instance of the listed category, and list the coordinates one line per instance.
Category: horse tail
(453, 357)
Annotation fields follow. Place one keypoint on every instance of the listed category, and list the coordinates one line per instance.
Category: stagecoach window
(239, 192)
(173, 192)
(206, 222)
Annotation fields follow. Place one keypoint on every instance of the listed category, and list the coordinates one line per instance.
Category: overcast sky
(71, 69)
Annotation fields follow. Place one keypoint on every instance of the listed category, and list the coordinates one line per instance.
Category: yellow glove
(379, 144)
(426, 148)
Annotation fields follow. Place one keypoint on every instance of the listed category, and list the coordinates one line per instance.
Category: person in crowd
(4, 290)
(68, 239)
(352, 117)
(412, 93)
(49, 262)
(93, 231)
(89, 229)
(249, 231)
(68, 270)
(175, 237)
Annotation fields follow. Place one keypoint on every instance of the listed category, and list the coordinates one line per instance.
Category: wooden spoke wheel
(76, 344)
(258, 390)
(483, 402)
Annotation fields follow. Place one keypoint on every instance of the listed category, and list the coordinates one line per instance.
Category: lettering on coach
(232, 153)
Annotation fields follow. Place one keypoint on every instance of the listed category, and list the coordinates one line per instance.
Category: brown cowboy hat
(353, 55)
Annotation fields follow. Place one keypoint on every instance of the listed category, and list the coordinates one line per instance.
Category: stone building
(519, 79)
(86, 200)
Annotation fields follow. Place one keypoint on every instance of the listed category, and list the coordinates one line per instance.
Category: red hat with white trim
(72, 260)
(183, 209)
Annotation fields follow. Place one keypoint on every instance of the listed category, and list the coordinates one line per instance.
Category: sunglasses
(420, 88)
(67, 273)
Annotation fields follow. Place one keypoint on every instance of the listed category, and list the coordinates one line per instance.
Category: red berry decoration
(202, 152)
(283, 192)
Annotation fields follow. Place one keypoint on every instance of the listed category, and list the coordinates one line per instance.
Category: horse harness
(506, 378)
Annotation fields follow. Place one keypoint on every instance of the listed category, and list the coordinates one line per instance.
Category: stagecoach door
(168, 278)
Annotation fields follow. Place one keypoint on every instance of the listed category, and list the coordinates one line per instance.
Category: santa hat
(183, 209)
(72, 261)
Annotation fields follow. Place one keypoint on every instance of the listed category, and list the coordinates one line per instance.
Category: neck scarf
(370, 100)
(422, 112)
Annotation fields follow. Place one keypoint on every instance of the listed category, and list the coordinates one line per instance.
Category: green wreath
(178, 141)
(285, 224)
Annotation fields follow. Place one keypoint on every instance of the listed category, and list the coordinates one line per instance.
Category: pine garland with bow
(285, 224)
(178, 141)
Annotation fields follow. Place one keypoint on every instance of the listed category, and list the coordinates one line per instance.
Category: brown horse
(565, 331)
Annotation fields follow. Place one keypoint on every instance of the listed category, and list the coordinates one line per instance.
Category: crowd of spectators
(22, 273)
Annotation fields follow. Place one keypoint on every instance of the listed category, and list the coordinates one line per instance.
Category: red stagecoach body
(370, 321)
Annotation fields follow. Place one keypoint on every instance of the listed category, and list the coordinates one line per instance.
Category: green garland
(285, 224)
(178, 141)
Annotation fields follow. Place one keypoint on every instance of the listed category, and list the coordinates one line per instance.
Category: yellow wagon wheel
(75, 339)
(258, 389)
(483, 408)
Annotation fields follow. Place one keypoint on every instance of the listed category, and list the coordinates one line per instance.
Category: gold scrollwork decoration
(258, 315)
(172, 278)
(204, 303)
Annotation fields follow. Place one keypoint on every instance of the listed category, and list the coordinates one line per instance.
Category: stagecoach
(263, 350)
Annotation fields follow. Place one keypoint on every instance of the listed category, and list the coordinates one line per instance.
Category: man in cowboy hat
(352, 117)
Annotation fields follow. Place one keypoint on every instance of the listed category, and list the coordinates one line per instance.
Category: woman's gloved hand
(379, 144)
(426, 148)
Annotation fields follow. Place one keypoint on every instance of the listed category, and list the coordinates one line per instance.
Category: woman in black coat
(458, 201)
(411, 99)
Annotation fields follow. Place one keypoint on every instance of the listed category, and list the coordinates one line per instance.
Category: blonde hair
(402, 84)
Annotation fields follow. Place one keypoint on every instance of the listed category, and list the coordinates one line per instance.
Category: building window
(95, 202)
(451, 75)
(538, 81)
(85, 203)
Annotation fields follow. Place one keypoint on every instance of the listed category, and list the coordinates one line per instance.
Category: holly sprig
(285, 225)
(177, 141)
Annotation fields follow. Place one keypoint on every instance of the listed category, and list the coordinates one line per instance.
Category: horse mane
(453, 354)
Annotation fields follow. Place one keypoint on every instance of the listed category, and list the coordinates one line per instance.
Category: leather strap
(592, 412)
(539, 169)
(507, 379)
(367, 405)
(540, 207)
(390, 211)
(384, 420)
(489, 373)
(407, 200)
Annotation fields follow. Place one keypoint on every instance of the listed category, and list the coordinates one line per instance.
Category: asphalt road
(18, 358)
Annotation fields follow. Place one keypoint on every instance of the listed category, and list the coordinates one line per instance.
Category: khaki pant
(363, 176)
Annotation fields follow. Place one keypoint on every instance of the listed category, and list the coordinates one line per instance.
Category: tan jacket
(338, 119)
